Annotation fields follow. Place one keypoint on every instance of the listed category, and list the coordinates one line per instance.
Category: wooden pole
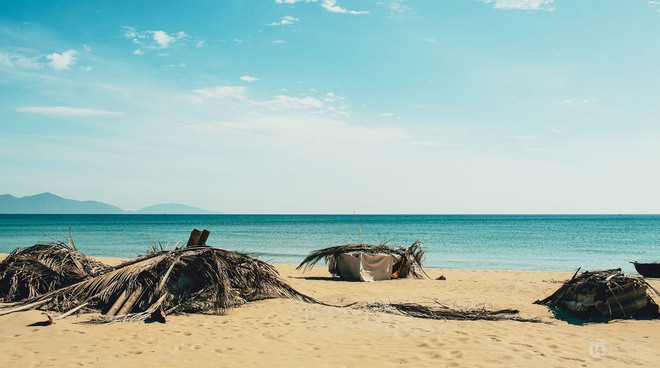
(194, 238)
(130, 302)
(204, 237)
(118, 303)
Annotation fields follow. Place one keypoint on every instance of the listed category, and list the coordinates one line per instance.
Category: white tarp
(365, 267)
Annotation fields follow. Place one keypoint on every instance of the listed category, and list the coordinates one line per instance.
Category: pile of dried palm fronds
(29, 272)
(409, 259)
(192, 279)
(440, 311)
(604, 294)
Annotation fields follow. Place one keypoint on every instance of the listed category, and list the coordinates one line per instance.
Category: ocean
(525, 242)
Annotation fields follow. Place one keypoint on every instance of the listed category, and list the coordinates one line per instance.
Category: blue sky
(293, 106)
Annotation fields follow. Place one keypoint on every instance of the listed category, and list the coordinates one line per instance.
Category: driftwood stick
(21, 308)
(52, 319)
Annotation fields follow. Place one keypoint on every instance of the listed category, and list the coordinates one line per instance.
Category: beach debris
(364, 262)
(27, 273)
(605, 295)
(437, 310)
(441, 278)
(195, 279)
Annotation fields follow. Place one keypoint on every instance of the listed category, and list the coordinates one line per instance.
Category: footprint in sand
(457, 353)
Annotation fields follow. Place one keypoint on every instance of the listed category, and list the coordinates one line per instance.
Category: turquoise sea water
(557, 242)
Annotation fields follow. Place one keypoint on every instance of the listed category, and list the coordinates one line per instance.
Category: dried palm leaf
(41, 268)
(443, 312)
(192, 279)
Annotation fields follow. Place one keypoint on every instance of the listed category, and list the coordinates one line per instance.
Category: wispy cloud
(279, 42)
(153, 40)
(398, 8)
(31, 60)
(331, 6)
(332, 97)
(579, 101)
(290, 102)
(522, 4)
(62, 61)
(286, 20)
(66, 111)
(20, 61)
(249, 79)
(219, 92)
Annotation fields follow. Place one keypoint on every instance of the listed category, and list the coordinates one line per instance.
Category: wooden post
(194, 238)
(203, 237)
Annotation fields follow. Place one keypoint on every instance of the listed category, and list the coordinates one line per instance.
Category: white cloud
(579, 101)
(200, 44)
(221, 92)
(174, 66)
(66, 111)
(279, 42)
(62, 61)
(386, 114)
(332, 97)
(430, 40)
(87, 48)
(522, 4)
(163, 39)
(153, 40)
(249, 79)
(290, 102)
(331, 6)
(16, 60)
(286, 20)
(398, 8)
(86, 68)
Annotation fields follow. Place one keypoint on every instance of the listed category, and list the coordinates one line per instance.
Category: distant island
(48, 203)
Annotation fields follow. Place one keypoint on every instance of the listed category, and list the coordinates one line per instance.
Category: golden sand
(289, 333)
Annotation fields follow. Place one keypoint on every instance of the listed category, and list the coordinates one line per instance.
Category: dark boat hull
(647, 269)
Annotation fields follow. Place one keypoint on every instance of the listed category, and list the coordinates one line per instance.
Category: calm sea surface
(561, 243)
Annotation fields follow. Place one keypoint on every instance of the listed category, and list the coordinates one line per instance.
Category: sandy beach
(284, 333)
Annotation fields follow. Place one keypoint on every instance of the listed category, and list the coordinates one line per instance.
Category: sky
(334, 106)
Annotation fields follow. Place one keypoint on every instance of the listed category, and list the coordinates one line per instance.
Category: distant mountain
(172, 208)
(48, 203)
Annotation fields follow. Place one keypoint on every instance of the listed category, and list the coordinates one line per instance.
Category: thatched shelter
(605, 295)
(197, 279)
(27, 273)
(366, 262)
